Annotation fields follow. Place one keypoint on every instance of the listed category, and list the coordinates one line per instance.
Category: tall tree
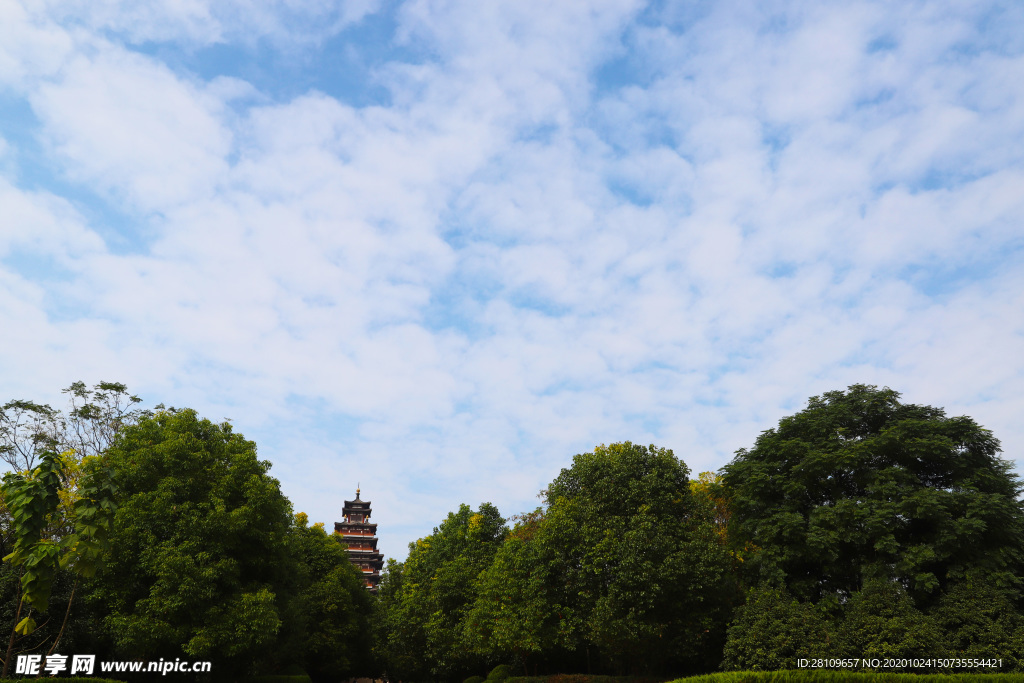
(860, 486)
(326, 608)
(60, 516)
(516, 617)
(628, 568)
(428, 597)
(198, 544)
(643, 574)
(93, 417)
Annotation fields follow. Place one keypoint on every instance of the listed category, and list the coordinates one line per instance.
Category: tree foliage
(202, 560)
(32, 500)
(882, 622)
(867, 528)
(980, 620)
(46, 538)
(326, 628)
(515, 616)
(860, 486)
(94, 416)
(52, 633)
(427, 597)
(898, 523)
(640, 567)
(772, 630)
(58, 503)
(625, 570)
(197, 547)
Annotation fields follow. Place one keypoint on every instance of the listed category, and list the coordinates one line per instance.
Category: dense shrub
(499, 673)
(772, 630)
(881, 622)
(979, 620)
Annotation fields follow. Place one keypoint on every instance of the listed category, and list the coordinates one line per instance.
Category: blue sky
(437, 247)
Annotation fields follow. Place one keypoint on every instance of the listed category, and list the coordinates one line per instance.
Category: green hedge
(823, 676)
(801, 676)
(581, 678)
(499, 673)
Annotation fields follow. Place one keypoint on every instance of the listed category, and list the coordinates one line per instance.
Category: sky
(435, 248)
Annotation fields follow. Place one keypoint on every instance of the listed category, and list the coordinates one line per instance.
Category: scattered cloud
(567, 225)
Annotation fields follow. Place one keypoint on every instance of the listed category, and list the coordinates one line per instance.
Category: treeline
(137, 535)
(859, 528)
(624, 569)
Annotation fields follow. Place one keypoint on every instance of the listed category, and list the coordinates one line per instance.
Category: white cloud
(133, 128)
(447, 295)
(29, 45)
(201, 22)
(43, 224)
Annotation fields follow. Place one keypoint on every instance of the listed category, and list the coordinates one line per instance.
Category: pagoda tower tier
(361, 538)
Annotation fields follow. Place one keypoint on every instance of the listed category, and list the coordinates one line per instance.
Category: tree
(325, 620)
(426, 599)
(398, 643)
(198, 545)
(643, 576)
(29, 429)
(57, 506)
(32, 501)
(42, 546)
(859, 486)
(515, 617)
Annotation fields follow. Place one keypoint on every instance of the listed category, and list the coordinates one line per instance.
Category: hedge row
(580, 678)
(820, 676)
(800, 676)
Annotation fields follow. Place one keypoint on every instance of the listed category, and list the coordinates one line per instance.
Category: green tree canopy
(979, 620)
(197, 546)
(654, 565)
(625, 567)
(326, 628)
(860, 486)
(514, 617)
(426, 598)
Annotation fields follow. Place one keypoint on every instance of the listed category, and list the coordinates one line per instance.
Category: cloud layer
(558, 226)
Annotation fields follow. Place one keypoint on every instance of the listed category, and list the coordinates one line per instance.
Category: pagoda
(361, 538)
